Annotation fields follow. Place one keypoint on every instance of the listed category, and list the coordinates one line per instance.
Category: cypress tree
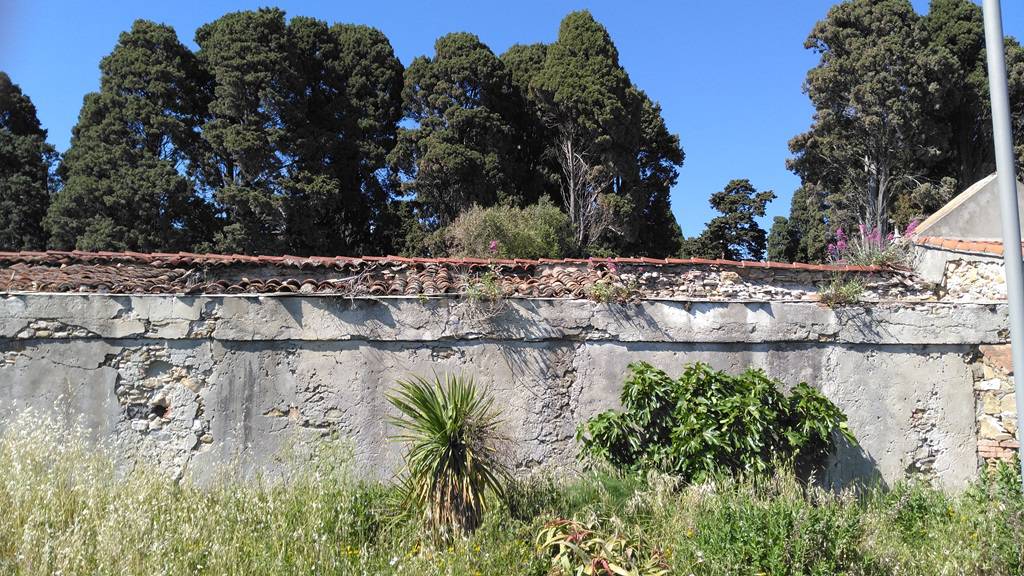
(340, 117)
(463, 149)
(25, 161)
(129, 173)
(583, 91)
(246, 55)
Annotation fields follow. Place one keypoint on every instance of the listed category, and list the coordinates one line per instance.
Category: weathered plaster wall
(186, 384)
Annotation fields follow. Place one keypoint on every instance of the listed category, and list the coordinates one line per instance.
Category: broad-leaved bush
(708, 422)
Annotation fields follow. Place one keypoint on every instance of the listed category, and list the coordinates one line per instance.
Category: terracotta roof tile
(993, 247)
(189, 273)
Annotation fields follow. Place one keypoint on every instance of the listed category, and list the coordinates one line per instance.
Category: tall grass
(67, 510)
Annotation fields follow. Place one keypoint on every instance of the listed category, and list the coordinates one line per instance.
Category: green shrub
(708, 422)
(485, 287)
(540, 230)
(608, 291)
(452, 463)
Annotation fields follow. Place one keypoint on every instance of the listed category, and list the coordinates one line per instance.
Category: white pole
(1007, 178)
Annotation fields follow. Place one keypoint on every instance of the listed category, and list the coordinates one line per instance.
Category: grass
(842, 291)
(66, 510)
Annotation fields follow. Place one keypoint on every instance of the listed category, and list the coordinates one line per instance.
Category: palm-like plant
(453, 465)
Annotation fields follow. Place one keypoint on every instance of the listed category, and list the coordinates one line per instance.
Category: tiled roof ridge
(167, 259)
(992, 247)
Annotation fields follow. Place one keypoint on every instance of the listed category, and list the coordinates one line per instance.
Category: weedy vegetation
(841, 290)
(70, 510)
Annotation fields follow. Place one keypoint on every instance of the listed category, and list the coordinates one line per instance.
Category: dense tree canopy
(129, 172)
(462, 150)
(875, 93)
(901, 119)
(246, 54)
(583, 93)
(25, 161)
(295, 135)
(341, 115)
(804, 236)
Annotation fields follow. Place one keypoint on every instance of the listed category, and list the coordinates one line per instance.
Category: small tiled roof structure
(186, 273)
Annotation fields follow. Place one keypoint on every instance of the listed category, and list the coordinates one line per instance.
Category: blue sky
(728, 74)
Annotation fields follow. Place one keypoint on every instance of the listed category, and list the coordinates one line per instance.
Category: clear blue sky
(728, 74)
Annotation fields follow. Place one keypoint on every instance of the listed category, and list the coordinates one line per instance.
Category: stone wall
(996, 404)
(189, 383)
(960, 276)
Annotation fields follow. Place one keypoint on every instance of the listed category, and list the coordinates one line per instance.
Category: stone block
(998, 355)
(991, 404)
(990, 428)
(1008, 404)
(988, 384)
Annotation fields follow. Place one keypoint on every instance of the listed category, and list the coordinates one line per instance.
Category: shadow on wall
(850, 467)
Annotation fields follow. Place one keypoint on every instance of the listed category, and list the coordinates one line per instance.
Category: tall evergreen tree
(783, 241)
(735, 235)
(340, 118)
(956, 28)
(127, 174)
(808, 220)
(583, 85)
(583, 92)
(804, 236)
(657, 159)
(874, 91)
(524, 62)
(246, 54)
(25, 161)
(902, 112)
(463, 149)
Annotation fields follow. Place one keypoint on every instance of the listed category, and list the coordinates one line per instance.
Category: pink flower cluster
(838, 247)
(868, 241)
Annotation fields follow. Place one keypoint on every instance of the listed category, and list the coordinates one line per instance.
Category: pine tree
(735, 234)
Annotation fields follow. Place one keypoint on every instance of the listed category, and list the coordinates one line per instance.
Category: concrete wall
(973, 214)
(189, 383)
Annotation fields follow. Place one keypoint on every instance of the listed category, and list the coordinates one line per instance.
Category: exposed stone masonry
(996, 404)
(974, 279)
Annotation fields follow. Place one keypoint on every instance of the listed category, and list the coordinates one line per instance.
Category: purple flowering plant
(868, 247)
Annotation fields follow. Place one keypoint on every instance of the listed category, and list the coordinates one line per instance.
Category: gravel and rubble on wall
(963, 270)
(974, 279)
(622, 278)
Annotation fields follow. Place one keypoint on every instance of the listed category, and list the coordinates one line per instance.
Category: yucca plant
(453, 463)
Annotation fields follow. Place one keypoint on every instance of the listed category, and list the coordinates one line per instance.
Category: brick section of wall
(995, 401)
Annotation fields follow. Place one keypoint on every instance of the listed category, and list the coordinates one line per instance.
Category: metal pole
(1007, 180)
